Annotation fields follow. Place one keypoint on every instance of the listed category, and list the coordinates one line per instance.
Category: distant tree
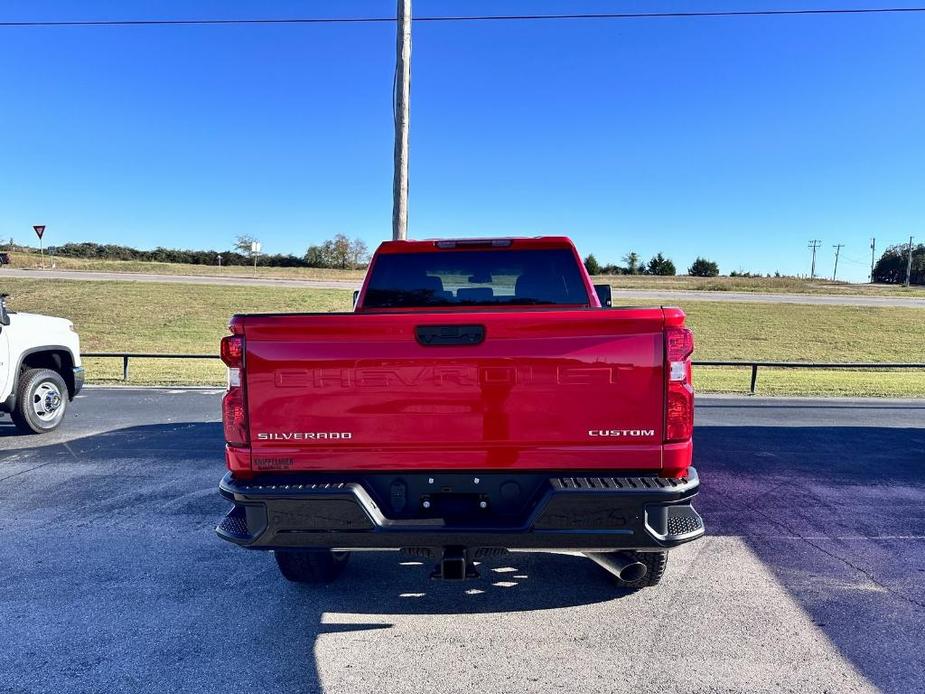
(359, 253)
(314, 257)
(611, 269)
(591, 265)
(891, 268)
(339, 252)
(243, 243)
(633, 263)
(660, 265)
(703, 268)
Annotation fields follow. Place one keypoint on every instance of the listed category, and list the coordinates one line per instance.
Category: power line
(464, 18)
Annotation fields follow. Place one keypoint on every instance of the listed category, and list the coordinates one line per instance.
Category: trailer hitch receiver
(455, 565)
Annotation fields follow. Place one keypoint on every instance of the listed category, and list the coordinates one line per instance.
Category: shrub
(703, 268)
(591, 265)
(660, 265)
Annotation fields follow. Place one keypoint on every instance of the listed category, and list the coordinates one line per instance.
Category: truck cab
(40, 368)
(479, 399)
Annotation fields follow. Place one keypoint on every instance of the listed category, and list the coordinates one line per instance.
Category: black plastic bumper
(78, 380)
(589, 512)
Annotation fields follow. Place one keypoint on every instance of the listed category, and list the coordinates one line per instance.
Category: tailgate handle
(449, 335)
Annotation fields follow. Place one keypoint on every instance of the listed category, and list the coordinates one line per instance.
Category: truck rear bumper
(389, 512)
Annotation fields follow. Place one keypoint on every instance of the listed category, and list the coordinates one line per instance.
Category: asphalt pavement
(621, 296)
(811, 578)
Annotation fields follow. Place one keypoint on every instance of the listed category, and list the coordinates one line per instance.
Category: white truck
(40, 370)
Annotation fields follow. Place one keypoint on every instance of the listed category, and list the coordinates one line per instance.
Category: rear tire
(656, 563)
(311, 565)
(41, 401)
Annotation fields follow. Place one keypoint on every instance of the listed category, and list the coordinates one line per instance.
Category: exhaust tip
(633, 571)
(623, 565)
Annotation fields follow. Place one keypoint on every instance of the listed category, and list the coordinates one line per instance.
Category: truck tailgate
(524, 389)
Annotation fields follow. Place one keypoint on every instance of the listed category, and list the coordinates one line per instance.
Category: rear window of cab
(534, 277)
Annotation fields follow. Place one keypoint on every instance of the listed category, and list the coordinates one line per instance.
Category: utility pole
(909, 264)
(402, 116)
(873, 249)
(814, 244)
(837, 248)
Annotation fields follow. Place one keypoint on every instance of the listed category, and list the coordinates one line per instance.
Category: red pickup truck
(479, 399)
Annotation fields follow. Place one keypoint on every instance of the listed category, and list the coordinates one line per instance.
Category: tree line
(657, 265)
(345, 253)
(891, 268)
(339, 252)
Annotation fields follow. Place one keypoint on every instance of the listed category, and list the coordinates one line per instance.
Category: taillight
(234, 417)
(234, 407)
(679, 404)
(679, 343)
(233, 350)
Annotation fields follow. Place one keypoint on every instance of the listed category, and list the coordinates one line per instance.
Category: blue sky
(737, 139)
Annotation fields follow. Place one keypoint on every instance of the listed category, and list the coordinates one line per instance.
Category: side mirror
(356, 295)
(4, 316)
(604, 294)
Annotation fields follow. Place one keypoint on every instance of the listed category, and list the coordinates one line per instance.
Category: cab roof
(501, 243)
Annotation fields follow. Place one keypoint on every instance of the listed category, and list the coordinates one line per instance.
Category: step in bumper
(588, 512)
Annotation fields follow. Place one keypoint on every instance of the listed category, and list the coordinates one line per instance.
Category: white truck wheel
(41, 401)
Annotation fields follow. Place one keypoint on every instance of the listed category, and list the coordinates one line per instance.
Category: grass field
(127, 316)
(33, 262)
(783, 285)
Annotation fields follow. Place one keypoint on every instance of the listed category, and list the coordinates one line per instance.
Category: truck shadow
(379, 592)
(836, 515)
(141, 582)
(142, 588)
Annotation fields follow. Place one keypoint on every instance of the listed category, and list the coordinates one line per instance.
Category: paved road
(621, 296)
(811, 579)
(657, 296)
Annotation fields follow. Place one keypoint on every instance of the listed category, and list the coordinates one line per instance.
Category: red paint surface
(525, 398)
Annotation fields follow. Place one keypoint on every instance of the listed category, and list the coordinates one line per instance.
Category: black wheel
(41, 401)
(311, 565)
(655, 563)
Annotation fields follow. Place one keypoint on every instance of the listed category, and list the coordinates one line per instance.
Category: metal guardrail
(125, 356)
(875, 366)
(753, 365)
